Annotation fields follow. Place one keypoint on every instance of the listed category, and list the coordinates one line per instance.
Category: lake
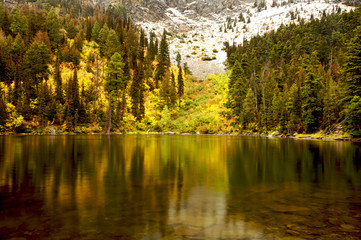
(178, 187)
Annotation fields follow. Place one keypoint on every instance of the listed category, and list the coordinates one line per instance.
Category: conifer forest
(72, 67)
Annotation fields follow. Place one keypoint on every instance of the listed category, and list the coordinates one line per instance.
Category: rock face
(154, 10)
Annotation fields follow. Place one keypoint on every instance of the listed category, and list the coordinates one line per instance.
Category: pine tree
(331, 105)
(178, 59)
(180, 84)
(35, 67)
(163, 57)
(293, 107)
(19, 24)
(114, 82)
(3, 113)
(58, 80)
(237, 89)
(249, 108)
(53, 28)
(89, 29)
(73, 99)
(312, 102)
(112, 44)
(95, 31)
(134, 91)
(353, 67)
(102, 38)
(6, 22)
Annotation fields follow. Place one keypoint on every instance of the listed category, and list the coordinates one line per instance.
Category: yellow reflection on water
(202, 187)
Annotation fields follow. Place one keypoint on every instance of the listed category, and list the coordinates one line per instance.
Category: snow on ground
(202, 37)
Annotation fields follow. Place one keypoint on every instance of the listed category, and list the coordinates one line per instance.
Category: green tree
(3, 112)
(102, 38)
(293, 108)
(73, 99)
(178, 59)
(237, 89)
(35, 67)
(53, 28)
(180, 84)
(112, 44)
(113, 83)
(163, 59)
(311, 100)
(95, 31)
(353, 67)
(58, 80)
(249, 109)
(168, 92)
(353, 123)
(19, 24)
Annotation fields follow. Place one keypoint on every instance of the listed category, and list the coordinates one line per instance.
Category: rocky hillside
(155, 10)
(199, 28)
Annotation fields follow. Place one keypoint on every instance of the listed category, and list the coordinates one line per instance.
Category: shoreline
(298, 137)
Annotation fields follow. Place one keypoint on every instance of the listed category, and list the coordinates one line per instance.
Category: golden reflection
(139, 186)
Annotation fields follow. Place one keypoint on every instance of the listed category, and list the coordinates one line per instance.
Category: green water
(178, 187)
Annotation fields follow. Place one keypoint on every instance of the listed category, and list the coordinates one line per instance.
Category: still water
(178, 187)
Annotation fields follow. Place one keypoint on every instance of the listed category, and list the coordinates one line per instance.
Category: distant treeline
(300, 78)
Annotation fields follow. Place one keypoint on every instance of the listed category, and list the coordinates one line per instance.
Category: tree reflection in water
(204, 187)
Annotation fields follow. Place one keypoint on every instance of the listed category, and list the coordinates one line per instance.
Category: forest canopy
(68, 67)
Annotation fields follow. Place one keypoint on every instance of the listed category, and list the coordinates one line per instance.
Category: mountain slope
(200, 28)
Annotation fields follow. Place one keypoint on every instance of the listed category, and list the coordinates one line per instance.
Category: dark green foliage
(72, 99)
(3, 113)
(163, 59)
(178, 59)
(137, 91)
(180, 83)
(115, 78)
(58, 81)
(168, 93)
(353, 66)
(238, 86)
(95, 31)
(53, 28)
(35, 67)
(19, 24)
(300, 89)
(353, 123)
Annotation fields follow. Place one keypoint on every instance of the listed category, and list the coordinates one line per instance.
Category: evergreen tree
(3, 113)
(293, 106)
(249, 108)
(312, 101)
(35, 67)
(178, 59)
(168, 92)
(112, 44)
(163, 59)
(89, 29)
(73, 99)
(53, 28)
(58, 80)
(237, 89)
(180, 84)
(331, 105)
(19, 24)
(102, 38)
(6, 22)
(95, 31)
(134, 91)
(113, 83)
(353, 67)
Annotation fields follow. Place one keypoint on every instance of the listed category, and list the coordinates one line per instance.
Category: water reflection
(175, 187)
